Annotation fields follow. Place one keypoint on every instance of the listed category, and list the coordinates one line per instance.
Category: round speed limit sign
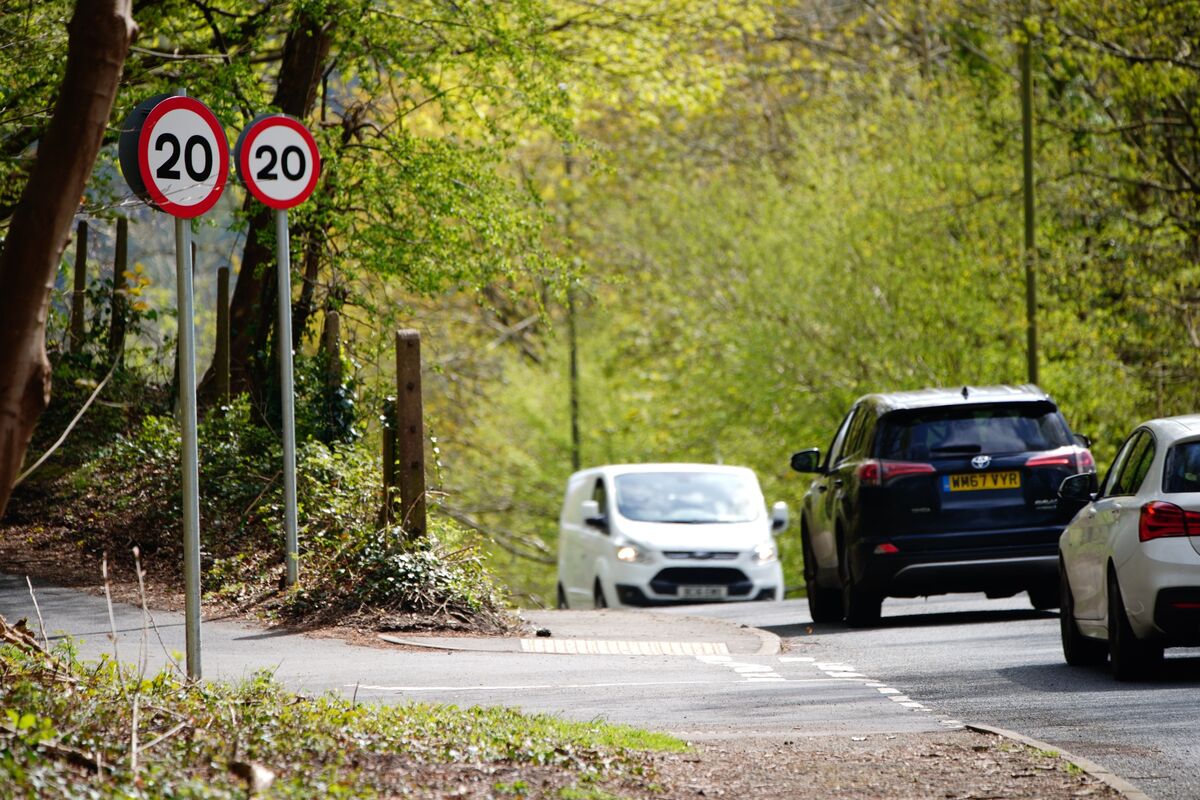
(277, 160)
(182, 155)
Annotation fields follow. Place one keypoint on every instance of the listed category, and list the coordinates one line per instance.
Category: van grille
(702, 555)
(667, 581)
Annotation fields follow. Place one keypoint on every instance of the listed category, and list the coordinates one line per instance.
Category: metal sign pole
(190, 455)
(149, 150)
(287, 393)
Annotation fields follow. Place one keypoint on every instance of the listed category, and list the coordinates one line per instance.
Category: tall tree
(100, 33)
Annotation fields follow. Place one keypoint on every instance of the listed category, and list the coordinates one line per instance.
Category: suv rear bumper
(996, 574)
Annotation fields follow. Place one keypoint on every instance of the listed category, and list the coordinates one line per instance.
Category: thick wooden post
(410, 433)
(221, 356)
(77, 297)
(116, 332)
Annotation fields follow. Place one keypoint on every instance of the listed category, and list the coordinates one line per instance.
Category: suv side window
(1128, 466)
(856, 437)
(839, 440)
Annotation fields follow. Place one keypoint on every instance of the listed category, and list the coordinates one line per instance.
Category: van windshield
(688, 497)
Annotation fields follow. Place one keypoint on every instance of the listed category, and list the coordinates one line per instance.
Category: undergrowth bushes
(351, 568)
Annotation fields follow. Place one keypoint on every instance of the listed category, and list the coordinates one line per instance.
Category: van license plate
(976, 481)
(703, 592)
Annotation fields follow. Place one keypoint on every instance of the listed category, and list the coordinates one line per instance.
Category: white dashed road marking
(599, 647)
(373, 688)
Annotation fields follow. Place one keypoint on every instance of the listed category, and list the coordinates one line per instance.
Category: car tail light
(1159, 520)
(876, 472)
(886, 549)
(1078, 459)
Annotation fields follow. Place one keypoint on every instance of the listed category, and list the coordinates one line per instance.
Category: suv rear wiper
(957, 448)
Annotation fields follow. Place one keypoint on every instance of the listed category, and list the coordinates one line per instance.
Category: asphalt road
(745, 688)
(997, 662)
(929, 665)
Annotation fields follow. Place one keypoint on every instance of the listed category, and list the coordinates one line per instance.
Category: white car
(664, 534)
(1130, 559)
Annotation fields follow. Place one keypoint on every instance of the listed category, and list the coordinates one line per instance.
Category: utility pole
(572, 334)
(1030, 250)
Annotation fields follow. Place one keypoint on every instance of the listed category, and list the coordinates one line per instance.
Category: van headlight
(765, 553)
(632, 554)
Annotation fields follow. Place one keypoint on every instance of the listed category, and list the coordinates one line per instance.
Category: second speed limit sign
(175, 155)
(277, 160)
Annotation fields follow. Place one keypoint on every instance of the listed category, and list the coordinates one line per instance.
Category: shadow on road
(933, 619)
(1178, 671)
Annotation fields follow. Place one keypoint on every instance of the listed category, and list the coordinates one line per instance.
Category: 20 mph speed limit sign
(174, 155)
(277, 160)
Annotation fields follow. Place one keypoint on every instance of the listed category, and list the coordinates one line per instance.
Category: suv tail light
(878, 471)
(1078, 459)
(1159, 520)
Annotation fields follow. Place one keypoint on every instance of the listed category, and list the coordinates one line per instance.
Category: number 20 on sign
(278, 161)
(175, 156)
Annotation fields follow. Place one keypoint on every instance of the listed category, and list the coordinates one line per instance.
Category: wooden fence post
(410, 433)
(221, 356)
(75, 343)
(119, 308)
(387, 513)
(331, 343)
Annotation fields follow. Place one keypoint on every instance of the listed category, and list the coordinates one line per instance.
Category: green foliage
(736, 305)
(60, 716)
(326, 410)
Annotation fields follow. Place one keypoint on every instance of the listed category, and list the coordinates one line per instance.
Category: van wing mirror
(779, 517)
(1079, 488)
(807, 460)
(592, 516)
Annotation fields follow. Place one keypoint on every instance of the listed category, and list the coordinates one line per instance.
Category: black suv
(936, 491)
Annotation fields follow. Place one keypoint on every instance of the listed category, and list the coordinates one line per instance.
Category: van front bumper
(668, 585)
(633, 596)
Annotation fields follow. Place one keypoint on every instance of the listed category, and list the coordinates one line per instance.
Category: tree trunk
(251, 312)
(100, 32)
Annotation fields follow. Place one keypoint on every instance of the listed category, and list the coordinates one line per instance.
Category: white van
(664, 534)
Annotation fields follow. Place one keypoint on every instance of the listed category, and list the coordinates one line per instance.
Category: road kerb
(1100, 773)
(769, 643)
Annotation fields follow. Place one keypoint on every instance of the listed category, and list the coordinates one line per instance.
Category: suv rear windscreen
(941, 432)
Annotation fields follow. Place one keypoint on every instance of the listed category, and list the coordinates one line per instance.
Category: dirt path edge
(1100, 773)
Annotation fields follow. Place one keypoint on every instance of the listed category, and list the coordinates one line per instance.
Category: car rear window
(688, 497)
(1181, 472)
(945, 432)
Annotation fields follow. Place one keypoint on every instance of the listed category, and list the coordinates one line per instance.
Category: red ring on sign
(246, 147)
(210, 119)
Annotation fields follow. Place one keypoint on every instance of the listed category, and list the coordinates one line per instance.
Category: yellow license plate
(977, 481)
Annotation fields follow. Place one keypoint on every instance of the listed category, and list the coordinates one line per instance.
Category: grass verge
(102, 730)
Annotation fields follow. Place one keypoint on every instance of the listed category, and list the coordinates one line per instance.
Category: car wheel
(598, 596)
(1044, 598)
(860, 606)
(1131, 657)
(562, 597)
(1078, 650)
(824, 604)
